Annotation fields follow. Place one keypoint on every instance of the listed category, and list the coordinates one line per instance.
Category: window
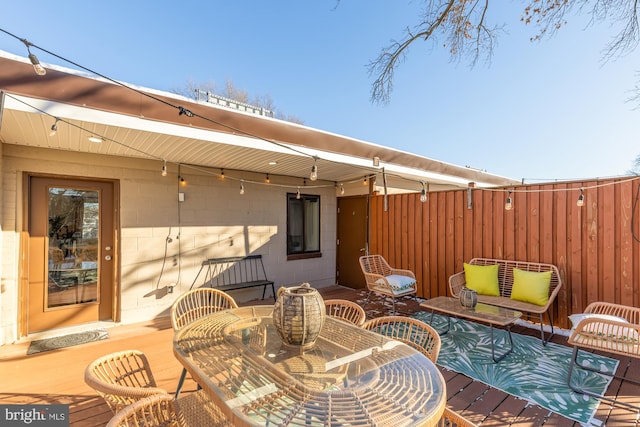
(303, 226)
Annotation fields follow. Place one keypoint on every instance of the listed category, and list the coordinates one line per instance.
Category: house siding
(162, 241)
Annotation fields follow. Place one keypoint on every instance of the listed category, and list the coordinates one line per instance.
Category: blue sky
(541, 111)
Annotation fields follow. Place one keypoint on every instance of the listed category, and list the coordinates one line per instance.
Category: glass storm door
(71, 229)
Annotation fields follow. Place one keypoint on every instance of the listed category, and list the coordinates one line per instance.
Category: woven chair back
(451, 418)
(198, 303)
(410, 331)
(346, 310)
(121, 378)
(153, 411)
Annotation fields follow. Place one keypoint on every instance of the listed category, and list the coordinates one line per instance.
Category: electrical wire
(189, 113)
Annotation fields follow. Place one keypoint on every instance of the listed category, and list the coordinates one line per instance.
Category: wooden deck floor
(57, 377)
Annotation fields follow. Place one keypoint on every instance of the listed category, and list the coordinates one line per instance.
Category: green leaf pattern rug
(532, 372)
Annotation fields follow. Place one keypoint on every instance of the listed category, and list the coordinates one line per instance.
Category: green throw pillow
(531, 286)
(482, 278)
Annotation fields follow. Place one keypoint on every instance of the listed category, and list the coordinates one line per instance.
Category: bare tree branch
(462, 24)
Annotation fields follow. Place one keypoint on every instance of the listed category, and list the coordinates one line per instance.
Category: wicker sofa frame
(606, 335)
(505, 280)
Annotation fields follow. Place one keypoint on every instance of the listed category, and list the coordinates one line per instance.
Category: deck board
(57, 376)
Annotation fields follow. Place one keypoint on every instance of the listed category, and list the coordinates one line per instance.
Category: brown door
(71, 226)
(353, 221)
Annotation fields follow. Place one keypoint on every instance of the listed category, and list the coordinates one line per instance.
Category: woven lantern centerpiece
(298, 315)
(468, 298)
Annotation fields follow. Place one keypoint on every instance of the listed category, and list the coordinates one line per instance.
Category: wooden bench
(233, 273)
(505, 282)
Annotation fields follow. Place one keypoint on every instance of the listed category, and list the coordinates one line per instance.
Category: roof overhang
(143, 123)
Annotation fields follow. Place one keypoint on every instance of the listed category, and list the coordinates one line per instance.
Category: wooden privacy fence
(595, 246)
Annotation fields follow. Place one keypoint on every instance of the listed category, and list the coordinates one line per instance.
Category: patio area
(57, 376)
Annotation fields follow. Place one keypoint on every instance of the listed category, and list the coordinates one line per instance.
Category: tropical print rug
(532, 372)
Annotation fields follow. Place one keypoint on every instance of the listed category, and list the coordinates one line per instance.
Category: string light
(314, 170)
(39, 69)
(183, 182)
(241, 188)
(221, 173)
(164, 168)
(54, 128)
(423, 194)
(267, 179)
(298, 194)
(182, 110)
(580, 201)
(364, 181)
(508, 204)
(341, 189)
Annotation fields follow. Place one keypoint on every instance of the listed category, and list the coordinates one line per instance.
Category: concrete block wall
(163, 241)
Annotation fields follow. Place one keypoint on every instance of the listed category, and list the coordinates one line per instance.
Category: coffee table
(485, 313)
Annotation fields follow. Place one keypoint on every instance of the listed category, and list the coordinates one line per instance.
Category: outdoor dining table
(350, 376)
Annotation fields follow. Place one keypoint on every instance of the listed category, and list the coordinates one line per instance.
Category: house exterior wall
(163, 241)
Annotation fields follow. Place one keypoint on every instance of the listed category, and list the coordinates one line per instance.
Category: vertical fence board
(624, 250)
(608, 211)
(574, 266)
(559, 253)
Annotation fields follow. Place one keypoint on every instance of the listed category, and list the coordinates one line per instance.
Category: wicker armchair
(410, 331)
(346, 310)
(453, 419)
(193, 305)
(163, 410)
(382, 279)
(607, 327)
(122, 378)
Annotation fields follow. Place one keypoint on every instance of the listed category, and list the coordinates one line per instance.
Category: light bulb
(267, 180)
(298, 194)
(54, 128)
(164, 168)
(580, 201)
(314, 172)
(423, 194)
(39, 69)
(182, 181)
(341, 189)
(241, 188)
(508, 205)
(221, 174)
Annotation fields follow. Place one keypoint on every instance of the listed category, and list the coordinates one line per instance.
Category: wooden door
(353, 220)
(70, 252)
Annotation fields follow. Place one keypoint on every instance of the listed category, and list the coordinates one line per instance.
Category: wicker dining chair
(451, 418)
(193, 410)
(410, 331)
(197, 303)
(122, 378)
(193, 305)
(346, 310)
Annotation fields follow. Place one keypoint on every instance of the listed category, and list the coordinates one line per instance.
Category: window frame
(292, 198)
